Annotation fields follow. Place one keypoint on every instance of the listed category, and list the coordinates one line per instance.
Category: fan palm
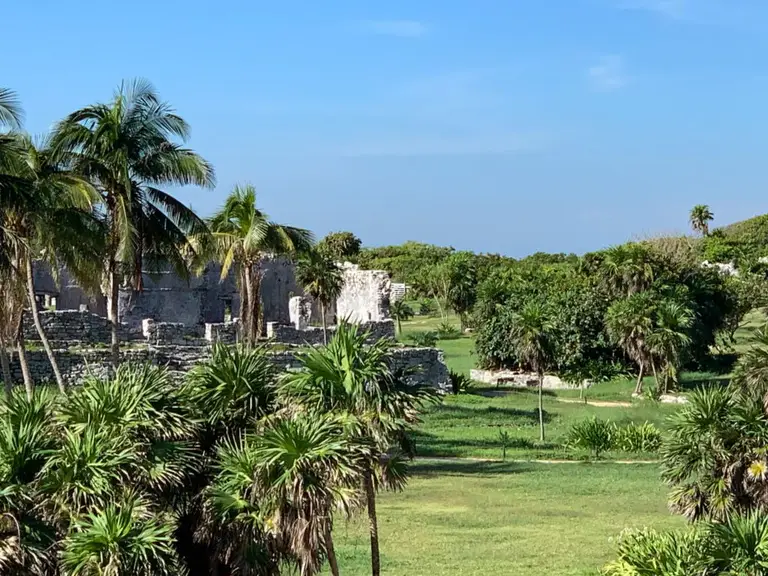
(531, 338)
(400, 311)
(669, 338)
(128, 148)
(629, 267)
(629, 323)
(323, 280)
(700, 218)
(354, 380)
(242, 235)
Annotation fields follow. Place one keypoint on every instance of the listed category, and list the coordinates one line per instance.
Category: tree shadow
(465, 467)
(463, 413)
(428, 445)
(503, 392)
(710, 381)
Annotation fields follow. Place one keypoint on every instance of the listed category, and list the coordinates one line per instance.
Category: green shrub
(447, 331)
(651, 553)
(428, 339)
(460, 383)
(427, 307)
(592, 434)
(643, 437)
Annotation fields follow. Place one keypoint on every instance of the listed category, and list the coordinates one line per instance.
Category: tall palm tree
(532, 337)
(700, 217)
(242, 235)
(354, 380)
(629, 323)
(323, 280)
(669, 338)
(127, 149)
(629, 267)
(400, 311)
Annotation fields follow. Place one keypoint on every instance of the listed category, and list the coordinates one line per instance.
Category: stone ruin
(174, 321)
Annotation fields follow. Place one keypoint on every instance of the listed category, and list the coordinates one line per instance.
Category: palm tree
(323, 280)
(531, 338)
(629, 323)
(400, 311)
(669, 338)
(127, 149)
(629, 267)
(354, 380)
(700, 218)
(242, 235)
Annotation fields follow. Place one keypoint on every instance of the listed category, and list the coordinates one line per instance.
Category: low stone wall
(68, 326)
(312, 336)
(78, 364)
(223, 332)
(520, 379)
(170, 334)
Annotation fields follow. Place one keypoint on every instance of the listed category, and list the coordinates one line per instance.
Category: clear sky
(505, 126)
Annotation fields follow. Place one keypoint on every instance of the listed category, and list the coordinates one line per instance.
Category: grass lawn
(459, 352)
(477, 518)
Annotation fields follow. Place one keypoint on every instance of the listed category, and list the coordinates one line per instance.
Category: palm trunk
(399, 326)
(248, 324)
(6, 365)
(370, 496)
(258, 315)
(29, 385)
(655, 376)
(330, 551)
(114, 294)
(325, 328)
(39, 326)
(639, 385)
(541, 407)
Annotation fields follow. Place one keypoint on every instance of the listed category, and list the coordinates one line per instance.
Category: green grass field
(464, 512)
(478, 518)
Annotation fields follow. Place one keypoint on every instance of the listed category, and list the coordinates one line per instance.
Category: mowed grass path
(482, 518)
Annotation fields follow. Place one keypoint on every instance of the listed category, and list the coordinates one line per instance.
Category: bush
(460, 383)
(427, 339)
(427, 307)
(643, 437)
(592, 434)
(447, 331)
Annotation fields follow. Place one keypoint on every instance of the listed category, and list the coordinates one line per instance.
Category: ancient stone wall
(70, 326)
(288, 334)
(77, 365)
(365, 296)
(222, 332)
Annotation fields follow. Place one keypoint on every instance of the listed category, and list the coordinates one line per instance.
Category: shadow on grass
(453, 411)
(496, 392)
(713, 381)
(428, 445)
(458, 467)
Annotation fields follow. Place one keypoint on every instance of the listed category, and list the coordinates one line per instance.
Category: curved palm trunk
(639, 385)
(330, 551)
(541, 407)
(29, 385)
(112, 312)
(39, 326)
(325, 328)
(370, 496)
(6, 366)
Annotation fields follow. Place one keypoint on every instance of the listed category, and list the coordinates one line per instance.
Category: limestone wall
(76, 365)
(365, 296)
(71, 326)
(288, 334)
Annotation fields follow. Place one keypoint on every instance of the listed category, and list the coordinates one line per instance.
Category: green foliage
(400, 311)
(447, 331)
(643, 437)
(460, 382)
(427, 307)
(505, 441)
(426, 339)
(405, 263)
(592, 434)
(340, 246)
(700, 218)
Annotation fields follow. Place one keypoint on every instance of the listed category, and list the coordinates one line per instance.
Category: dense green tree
(532, 339)
(242, 235)
(409, 262)
(340, 246)
(461, 295)
(323, 280)
(629, 323)
(629, 268)
(700, 217)
(669, 340)
(128, 149)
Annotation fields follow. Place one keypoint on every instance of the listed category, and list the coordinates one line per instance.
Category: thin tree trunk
(330, 551)
(655, 376)
(258, 315)
(29, 385)
(541, 407)
(370, 496)
(6, 366)
(39, 326)
(248, 323)
(399, 326)
(639, 385)
(114, 294)
(325, 328)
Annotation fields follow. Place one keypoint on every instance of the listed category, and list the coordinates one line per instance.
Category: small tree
(700, 218)
(531, 338)
(400, 311)
(323, 280)
(629, 322)
(669, 339)
(340, 246)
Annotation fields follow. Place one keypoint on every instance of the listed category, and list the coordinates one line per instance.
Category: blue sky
(505, 126)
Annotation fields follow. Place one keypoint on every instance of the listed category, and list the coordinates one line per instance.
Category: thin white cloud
(608, 74)
(673, 9)
(401, 28)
